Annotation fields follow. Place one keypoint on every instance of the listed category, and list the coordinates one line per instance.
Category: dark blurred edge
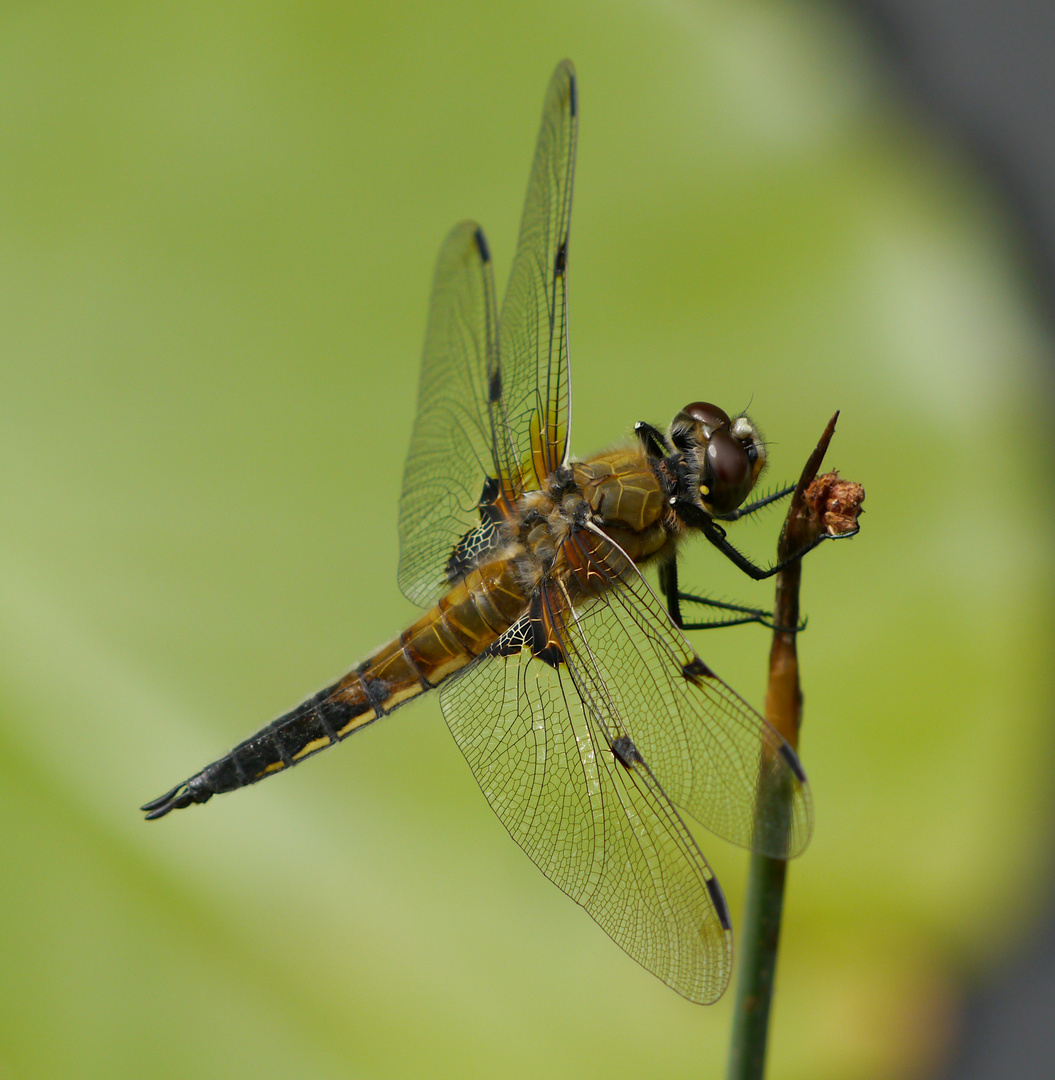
(982, 72)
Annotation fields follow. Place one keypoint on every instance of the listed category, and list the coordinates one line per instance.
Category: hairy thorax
(617, 491)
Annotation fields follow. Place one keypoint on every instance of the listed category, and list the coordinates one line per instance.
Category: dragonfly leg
(743, 511)
(739, 615)
(716, 535)
(653, 440)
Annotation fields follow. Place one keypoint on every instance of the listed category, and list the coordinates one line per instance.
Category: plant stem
(760, 932)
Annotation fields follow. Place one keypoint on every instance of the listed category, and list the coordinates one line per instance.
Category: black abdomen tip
(180, 796)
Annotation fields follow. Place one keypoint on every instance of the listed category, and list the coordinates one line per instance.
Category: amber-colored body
(625, 495)
(622, 494)
(583, 711)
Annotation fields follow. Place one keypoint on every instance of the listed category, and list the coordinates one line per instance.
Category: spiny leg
(716, 535)
(668, 583)
(833, 523)
(758, 504)
(740, 613)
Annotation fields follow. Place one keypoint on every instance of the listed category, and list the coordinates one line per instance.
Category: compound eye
(707, 414)
(728, 475)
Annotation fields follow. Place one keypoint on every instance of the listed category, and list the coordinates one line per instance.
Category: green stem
(757, 966)
(760, 931)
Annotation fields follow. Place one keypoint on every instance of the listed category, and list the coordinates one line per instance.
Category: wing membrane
(452, 448)
(712, 754)
(604, 834)
(533, 331)
(493, 402)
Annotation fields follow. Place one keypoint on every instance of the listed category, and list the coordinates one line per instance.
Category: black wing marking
(601, 831)
(712, 754)
(452, 447)
(493, 403)
(533, 330)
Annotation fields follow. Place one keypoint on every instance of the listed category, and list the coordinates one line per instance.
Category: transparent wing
(452, 446)
(492, 405)
(533, 331)
(603, 833)
(712, 754)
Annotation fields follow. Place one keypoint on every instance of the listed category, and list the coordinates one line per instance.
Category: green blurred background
(218, 225)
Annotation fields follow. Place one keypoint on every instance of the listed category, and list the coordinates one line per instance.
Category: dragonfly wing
(604, 834)
(712, 754)
(533, 330)
(452, 447)
(493, 403)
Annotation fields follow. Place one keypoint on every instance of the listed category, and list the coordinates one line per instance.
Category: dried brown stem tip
(823, 507)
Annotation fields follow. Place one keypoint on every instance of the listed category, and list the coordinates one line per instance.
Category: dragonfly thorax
(543, 519)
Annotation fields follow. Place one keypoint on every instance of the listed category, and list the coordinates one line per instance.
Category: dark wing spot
(721, 908)
(494, 385)
(513, 641)
(528, 633)
(573, 91)
(469, 548)
(696, 669)
(549, 652)
(560, 262)
(792, 759)
(625, 750)
(543, 647)
(467, 552)
(552, 654)
(488, 498)
(481, 245)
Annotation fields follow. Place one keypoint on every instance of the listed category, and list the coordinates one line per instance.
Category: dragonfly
(590, 723)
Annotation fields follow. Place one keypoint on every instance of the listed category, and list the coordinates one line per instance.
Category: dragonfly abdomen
(447, 638)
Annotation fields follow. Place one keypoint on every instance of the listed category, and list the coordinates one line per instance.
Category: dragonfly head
(720, 458)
